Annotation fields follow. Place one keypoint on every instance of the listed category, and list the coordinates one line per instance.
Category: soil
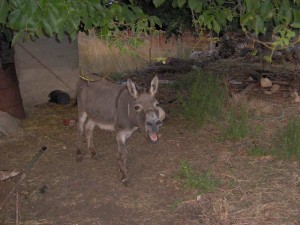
(251, 189)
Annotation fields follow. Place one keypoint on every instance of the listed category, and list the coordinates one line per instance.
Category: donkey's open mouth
(152, 137)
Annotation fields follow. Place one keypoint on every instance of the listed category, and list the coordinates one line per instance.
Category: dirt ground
(251, 190)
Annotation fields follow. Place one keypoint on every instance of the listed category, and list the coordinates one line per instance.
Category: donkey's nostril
(158, 123)
(149, 124)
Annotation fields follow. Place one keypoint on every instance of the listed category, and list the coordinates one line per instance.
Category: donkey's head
(149, 114)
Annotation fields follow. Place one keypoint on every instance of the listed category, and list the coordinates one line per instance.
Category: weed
(192, 179)
(237, 123)
(202, 97)
(290, 140)
(258, 151)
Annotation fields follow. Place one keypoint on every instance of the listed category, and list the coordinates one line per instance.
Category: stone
(265, 82)
(274, 88)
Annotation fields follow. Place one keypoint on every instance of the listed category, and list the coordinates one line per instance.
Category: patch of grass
(175, 204)
(202, 97)
(194, 180)
(237, 127)
(290, 140)
(258, 151)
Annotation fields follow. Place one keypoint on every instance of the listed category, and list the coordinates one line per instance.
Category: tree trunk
(10, 96)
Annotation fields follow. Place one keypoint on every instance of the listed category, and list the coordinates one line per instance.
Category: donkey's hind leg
(80, 129)
(89, 128)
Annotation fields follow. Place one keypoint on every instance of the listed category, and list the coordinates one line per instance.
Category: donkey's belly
(105, 126)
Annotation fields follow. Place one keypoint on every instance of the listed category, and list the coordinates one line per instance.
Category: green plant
(259, 17)
(34, 18)
(202, 97)
(290, 140)
(192, 179)
(237, 126)
(258, 151)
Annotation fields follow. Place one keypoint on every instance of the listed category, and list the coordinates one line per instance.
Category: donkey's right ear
(132, 88)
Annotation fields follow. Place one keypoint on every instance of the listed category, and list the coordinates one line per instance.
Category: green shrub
(237, 123)
(202, 97)
(290, 140)
(192, 179)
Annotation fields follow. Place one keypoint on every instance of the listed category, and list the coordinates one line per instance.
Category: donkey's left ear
(153, 86)
(132, 88)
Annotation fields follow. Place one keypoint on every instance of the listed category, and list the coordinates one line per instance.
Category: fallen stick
(23, 174)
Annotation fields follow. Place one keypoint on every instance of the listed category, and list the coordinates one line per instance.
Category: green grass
(202, 97)
(237, 123)
(194, 180)
(290, 140)
(258, 151)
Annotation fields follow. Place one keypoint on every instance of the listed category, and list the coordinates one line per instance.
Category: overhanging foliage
(33, 18)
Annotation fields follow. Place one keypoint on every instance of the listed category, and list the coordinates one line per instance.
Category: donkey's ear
(132, 88)
(153, 86)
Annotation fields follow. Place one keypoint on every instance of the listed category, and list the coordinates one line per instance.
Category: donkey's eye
(137, 107)
(156, 104)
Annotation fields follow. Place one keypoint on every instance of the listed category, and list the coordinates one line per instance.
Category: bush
(237, 126)
(202, 97)
(192, 179)
(290, 140)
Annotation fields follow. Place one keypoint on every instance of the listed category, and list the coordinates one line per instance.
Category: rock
(296, 96)
(9, 125)
(296, 53)
(287, 53)
(265, 82)
(274, 88)
(199, 56)
(267, 92)
(196, 55)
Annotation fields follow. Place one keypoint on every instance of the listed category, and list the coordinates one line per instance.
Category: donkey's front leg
(122, 137)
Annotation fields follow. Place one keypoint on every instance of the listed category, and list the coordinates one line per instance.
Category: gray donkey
(118, 108)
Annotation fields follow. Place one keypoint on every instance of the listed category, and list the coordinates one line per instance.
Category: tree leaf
(3, 11)
(157, 20)
(181, 3)
(158, 3)
(296, 21)
(16, 21)
(259, 25)
(46, 27)
(19, 35)
(295, 25)
(216, 26)
(195, 5)
(249, 5)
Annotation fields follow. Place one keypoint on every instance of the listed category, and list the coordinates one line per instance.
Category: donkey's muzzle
(152, 137)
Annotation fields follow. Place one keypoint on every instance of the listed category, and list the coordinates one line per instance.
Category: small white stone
(265, 82)
(275, 88)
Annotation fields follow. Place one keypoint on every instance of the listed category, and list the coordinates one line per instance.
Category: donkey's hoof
(125, 181)
(79, 157)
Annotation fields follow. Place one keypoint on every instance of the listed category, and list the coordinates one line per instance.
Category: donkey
(118, 108)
